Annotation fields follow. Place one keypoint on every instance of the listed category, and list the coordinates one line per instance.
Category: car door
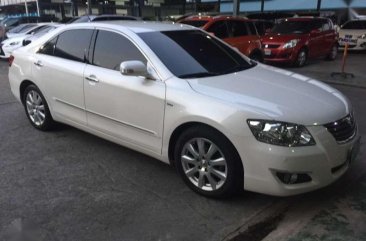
(239, 36)
(329, 36)
(59, 66)
(315, 39)
(129, 108)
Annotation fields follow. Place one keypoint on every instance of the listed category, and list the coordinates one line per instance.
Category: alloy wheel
(35, 108)
(204, 164)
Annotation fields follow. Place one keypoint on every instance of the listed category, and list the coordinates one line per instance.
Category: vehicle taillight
(11, 59)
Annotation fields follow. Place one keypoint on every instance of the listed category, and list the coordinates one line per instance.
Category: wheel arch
(184, 126)
(23, 85)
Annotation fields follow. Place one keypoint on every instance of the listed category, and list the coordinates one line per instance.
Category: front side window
(111, 49)
(206, 57)
(73, 44)
(219, 29)
(237, 28)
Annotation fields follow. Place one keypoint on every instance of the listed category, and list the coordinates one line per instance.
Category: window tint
(111, 49)
(219, 28)
(48, 47)
(73, 44)
(237, 28)
(252, 28)
(206, 57)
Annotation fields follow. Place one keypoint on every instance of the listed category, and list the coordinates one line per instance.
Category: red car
(295, 40)
(236, 31)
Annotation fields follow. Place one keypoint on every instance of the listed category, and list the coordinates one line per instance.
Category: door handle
(92, 78)
(38, 63)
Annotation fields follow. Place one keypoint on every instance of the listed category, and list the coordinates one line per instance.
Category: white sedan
(9, 45)
(353, 33)
(186, 98)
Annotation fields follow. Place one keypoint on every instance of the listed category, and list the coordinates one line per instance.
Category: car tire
(301, 58)
(36, 109)
(208, 162)
(333, 53)
(257, 57)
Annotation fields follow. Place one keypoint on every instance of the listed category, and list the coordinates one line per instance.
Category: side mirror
(26, 42)
(134, 68)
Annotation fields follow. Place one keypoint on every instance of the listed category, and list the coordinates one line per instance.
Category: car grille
(344, 129)
(272, 46)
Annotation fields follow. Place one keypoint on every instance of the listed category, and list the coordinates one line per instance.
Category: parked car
(103, 17)
(295, 40)
(224, 121)
(9, 45)
(27, 30)
(354, 33)
(236, 31)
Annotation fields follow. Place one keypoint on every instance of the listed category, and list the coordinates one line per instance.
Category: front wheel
(36, 108)
(333, 53)
(208, 163)
(302, 58)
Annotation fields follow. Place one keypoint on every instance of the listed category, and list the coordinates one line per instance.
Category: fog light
(293, 178)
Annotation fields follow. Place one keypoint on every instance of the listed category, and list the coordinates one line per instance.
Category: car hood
(277, 95)
(281, 38)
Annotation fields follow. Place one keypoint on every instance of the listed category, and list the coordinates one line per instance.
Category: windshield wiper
(197, 75)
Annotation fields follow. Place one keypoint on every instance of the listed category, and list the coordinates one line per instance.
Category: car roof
(304, 19)
(209, 18)
(136, 26)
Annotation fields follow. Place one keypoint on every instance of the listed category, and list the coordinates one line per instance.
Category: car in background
(9, 45)
(28, 30)
(225, 122)
(295, 40)
(353, 33)
(103, 17)
(239, 32)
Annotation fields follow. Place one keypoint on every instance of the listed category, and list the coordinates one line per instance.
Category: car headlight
(291, 44)
(281, 133)
(363, 36)
(14, 43)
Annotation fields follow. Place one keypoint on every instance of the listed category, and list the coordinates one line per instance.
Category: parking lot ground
(69, 185)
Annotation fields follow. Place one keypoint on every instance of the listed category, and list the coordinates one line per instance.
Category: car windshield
(355, 25)
(195, 23)
(293, 27)
(206, 57)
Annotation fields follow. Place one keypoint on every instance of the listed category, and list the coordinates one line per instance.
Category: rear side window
(220, 29)
(49, 47)
(73, 44)
(237, 28)
(111, 49)
(252, 28)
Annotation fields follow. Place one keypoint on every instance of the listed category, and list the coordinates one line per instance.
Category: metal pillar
(89, 7)
(262, 6)
(38, 12)
(319, 5)
(26, 8)
(236, 7)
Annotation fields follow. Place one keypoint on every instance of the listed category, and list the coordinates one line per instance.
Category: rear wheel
(208, 163)
(36, 108)
(302, 58)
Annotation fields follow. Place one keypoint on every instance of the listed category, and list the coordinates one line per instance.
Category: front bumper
(324, 162)
(355, 44)
(280, 55)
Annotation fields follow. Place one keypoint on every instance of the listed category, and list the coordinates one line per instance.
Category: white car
(9, 45)
(354, 33)
(186, 98)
